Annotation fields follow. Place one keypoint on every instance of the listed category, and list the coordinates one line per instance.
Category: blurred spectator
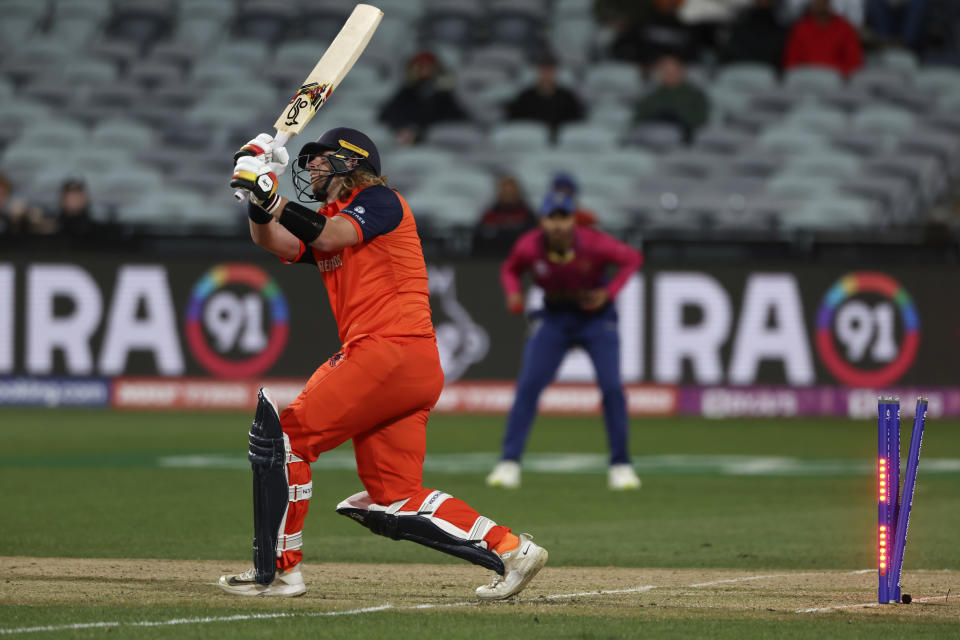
(425, 98)
(674, 100)
(505, 220)
(73, 210)
(546, 101)
(898, 22)
(853, 10)
(755, 36)
(823, 38)
(710, 11)
(661, 34)
(19, 217)
(566, 184)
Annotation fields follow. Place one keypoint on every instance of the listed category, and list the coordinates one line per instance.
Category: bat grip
(279, 140)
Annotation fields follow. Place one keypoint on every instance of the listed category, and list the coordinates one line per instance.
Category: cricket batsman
(569, 262)
(376, 391)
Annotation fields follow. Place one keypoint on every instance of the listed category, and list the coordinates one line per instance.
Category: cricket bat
(333, 66)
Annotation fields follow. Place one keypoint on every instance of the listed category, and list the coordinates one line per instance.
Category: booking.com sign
(224, 321)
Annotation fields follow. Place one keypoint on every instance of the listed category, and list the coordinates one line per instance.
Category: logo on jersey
(237, 321)
(329, 265)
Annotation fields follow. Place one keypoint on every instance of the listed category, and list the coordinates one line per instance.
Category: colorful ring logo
(847, 287)
(255, 278)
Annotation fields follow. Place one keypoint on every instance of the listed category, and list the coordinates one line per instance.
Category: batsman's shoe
(520, 565)
(287, 584)
(506, 475)
(622, 477)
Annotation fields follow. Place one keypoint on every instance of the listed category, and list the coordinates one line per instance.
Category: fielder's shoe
(622, 477)
(287, 584)
(520, 565)
(506, 475)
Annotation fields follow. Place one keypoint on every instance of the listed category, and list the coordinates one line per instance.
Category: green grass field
(754, 500)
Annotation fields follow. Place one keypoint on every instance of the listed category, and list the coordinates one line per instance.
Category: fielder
(569, 262)
(377, 390)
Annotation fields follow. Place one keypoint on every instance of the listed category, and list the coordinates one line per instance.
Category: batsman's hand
(515, 303)
(277, 158)
(253, 175)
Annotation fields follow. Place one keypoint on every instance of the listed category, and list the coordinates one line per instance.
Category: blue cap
(556, 201)
(565, 181)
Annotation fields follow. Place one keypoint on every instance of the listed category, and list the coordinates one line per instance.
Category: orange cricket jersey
(379, 285)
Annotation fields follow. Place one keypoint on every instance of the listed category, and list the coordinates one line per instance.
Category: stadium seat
(883, 119)
(123, 134)
(721, 140)
(444, 210)
(925, 175)
(54, 91)
(32, 9)
(20, 162)
(942, 80)
(893, 196)
(689, 163)
(899, 59)
(520, 136)
(818, 119)
(611, 116)
(745, 77)
(801, 186)
(512, 60)
(812, 79)
(141, 21)
(456, 136)
(200, 32)
(624, 162)
(90, 72)
(619, 79)
(450, 21)
(120, 52)
(826, 163)
(833, 212)
(171, 210)
(877, 80)
(124, 185)
(248, 52)
(571, 38)
(790, 140)
(587, 136)
(55, 134)
(192, 10)
(655, 136)
(150, 74)
(755, 163)
(475, 186)
(266, 20)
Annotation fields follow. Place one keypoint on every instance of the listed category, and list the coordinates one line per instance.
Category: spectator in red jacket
(823, 38)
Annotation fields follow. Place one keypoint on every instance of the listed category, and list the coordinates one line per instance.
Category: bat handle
(279, 140)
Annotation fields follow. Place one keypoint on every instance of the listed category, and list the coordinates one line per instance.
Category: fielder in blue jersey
(570, 263)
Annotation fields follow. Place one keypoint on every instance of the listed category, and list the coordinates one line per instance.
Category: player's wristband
(257, 214)
(303, 223)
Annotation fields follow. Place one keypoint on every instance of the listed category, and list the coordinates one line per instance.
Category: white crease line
(385, 607)
(863, 605)
(746, 579)
(605, 592)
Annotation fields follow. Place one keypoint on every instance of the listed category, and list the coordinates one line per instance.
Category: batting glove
(277, 158)
(253, 174)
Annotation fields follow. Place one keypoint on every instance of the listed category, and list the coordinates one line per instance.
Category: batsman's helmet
(348, 145)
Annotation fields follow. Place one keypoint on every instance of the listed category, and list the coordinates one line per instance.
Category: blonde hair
(359, 179)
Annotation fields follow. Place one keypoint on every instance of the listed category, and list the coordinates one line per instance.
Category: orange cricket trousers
(379, 392)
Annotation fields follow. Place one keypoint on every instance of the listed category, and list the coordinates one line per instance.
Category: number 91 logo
(225, 321)
(861, 313)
